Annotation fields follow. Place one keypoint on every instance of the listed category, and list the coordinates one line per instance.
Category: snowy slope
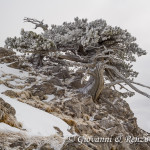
(35, 121)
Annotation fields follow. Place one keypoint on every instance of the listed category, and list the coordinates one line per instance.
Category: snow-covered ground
(39, 123)
(4, 69)
(35, 121)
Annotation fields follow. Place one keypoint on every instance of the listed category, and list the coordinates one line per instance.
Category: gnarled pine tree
(95, 49)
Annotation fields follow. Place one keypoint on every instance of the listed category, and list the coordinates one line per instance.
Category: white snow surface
(6, 127)
(50, 97)
(36, 122)
(7, 70)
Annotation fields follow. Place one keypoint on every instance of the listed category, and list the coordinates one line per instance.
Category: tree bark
(98, 84)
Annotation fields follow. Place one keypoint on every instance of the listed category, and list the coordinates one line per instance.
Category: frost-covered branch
(37, 23)
(126, 80)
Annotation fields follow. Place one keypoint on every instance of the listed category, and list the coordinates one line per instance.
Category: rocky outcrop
(107, 119)
(88, 119)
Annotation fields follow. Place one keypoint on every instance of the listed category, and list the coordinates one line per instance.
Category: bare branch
(72, 58)
(37, 23)
(127, 81)
(114, 83)
(140, 84)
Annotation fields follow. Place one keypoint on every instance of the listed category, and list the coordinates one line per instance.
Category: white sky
(133, 15)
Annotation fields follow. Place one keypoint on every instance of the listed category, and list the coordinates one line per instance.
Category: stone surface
(60, 92)
(56, 81)
(63, 74)
(46, 147)
(33, 146)
(42, 89)
(10, 93)
(19, 143)
(30, 80)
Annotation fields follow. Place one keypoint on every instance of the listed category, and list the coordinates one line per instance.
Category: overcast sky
(133, 15)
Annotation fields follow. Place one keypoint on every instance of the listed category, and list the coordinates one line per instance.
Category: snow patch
(35, 121)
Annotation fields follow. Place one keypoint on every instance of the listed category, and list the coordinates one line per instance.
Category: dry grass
(10, 120)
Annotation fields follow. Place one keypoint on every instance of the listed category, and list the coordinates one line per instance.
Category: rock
(36, 98)
(56, 81)
(10, 93)
(100, 115)
(64, 74)
(25, 94)
(84, 105)
(32, 147)
(73, 106)
(46, 147)
(76, 84)
(84, 129)
(107, 123)
(1, 82)
(75, 146)
(30, 80)
(60, 92)
(19, 143)
(2, 148)
(8, 59)
(56, 69)
(46, 88)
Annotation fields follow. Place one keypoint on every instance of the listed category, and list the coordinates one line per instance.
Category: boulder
(46, 88)
(10, 93)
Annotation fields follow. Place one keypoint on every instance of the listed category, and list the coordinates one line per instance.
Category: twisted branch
(128, 82)
(37, 23)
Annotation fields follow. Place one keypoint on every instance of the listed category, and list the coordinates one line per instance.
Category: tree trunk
(98, 84)
(40, 59)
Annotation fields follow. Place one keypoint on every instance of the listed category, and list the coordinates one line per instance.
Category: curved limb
(37, 23)
(128, 82)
